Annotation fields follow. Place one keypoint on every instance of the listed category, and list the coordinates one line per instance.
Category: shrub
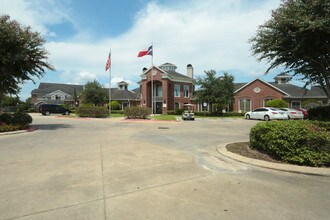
(31, 110)
(297, 142)
(136, 112)
(277, 103)
(5, 118)
(6, 128)
(92, 111)
(322, 124)
(320, 113)
(21, 118)
(115, 105)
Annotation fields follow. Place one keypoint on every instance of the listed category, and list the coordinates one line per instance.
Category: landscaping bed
(243, 149)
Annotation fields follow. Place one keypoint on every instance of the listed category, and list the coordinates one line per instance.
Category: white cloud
(37, 14)
(208, 34)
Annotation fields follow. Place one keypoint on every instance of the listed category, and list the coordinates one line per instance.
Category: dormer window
(122, 85)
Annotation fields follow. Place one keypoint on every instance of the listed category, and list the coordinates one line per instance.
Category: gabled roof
(123, 83)
(122, 94)
(258, 79)
(45, 88)
(171, 74)
(288, 89)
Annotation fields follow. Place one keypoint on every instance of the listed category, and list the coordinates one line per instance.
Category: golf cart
(188, 113)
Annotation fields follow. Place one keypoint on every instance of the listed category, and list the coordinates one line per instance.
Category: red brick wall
(167, 92)
(257, 99)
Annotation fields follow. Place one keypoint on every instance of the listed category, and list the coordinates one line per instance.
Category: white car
(293, 114)
(266, 114)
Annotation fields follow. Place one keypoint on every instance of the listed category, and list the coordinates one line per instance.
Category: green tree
(22, 56)
(94, 94)
(10, 101)
(115, 105)
(277, 103)
(297, 37)
(217, 91)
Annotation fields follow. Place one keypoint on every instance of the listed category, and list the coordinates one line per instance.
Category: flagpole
(110, 85)
(152, 80)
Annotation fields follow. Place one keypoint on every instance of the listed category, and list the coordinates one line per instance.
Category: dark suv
(47, 109)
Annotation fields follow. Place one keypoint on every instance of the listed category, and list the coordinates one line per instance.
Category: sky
(208, 34)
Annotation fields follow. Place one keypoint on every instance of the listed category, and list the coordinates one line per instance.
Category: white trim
(270, 85)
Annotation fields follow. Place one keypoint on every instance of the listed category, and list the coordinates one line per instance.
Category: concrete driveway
(116, 169)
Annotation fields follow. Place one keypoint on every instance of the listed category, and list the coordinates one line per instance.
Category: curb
(274, 166)
(19, 131)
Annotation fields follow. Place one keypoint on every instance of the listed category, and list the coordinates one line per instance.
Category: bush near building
(277, 103)
(92, 111)
(319, 113)
(137, 112)
(296, 142)
(14, 122)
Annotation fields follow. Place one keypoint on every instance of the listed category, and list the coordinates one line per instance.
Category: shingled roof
(122, 94)
(45, 88)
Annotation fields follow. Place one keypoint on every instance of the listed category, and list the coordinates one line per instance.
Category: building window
(266, 100)
(295, 104)
(244, 105)
(176, 105)
(176, 90)
(158, 90)
(186, 91)
(62, 97)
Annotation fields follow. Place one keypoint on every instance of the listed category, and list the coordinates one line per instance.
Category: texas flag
(145, 52)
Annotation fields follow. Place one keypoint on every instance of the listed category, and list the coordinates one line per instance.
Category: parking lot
(120, 169)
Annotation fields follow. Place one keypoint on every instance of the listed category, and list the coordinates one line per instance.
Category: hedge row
(13, 122)
(92, 111)
(296, 142)
(319, 113)
(137, 112)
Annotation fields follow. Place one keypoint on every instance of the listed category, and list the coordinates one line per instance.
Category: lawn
(164, 117)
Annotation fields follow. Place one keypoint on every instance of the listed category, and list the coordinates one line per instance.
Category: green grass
(117, 115)
(164, 117)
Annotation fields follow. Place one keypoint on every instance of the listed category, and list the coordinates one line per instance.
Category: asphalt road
(117, 169)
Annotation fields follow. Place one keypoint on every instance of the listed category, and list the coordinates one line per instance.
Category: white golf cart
(188, 113)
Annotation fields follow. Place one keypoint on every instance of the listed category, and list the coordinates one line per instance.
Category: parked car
(293, 114)
(47, 109)
(266, 114)
(304, 111)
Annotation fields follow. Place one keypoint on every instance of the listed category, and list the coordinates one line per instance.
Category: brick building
(171, 90)
(256, 93)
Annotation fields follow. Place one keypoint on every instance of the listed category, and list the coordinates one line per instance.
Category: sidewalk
(274, 166)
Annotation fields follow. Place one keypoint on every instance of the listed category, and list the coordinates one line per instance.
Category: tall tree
(215, 90)
(22, 56)
(94, 93)
(297, 37)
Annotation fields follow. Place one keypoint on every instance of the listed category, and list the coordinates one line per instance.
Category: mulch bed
(243, 149)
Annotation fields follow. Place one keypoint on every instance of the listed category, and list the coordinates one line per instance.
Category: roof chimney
(190, 71)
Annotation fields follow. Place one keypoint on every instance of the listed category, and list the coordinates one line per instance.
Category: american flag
(108, 64)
